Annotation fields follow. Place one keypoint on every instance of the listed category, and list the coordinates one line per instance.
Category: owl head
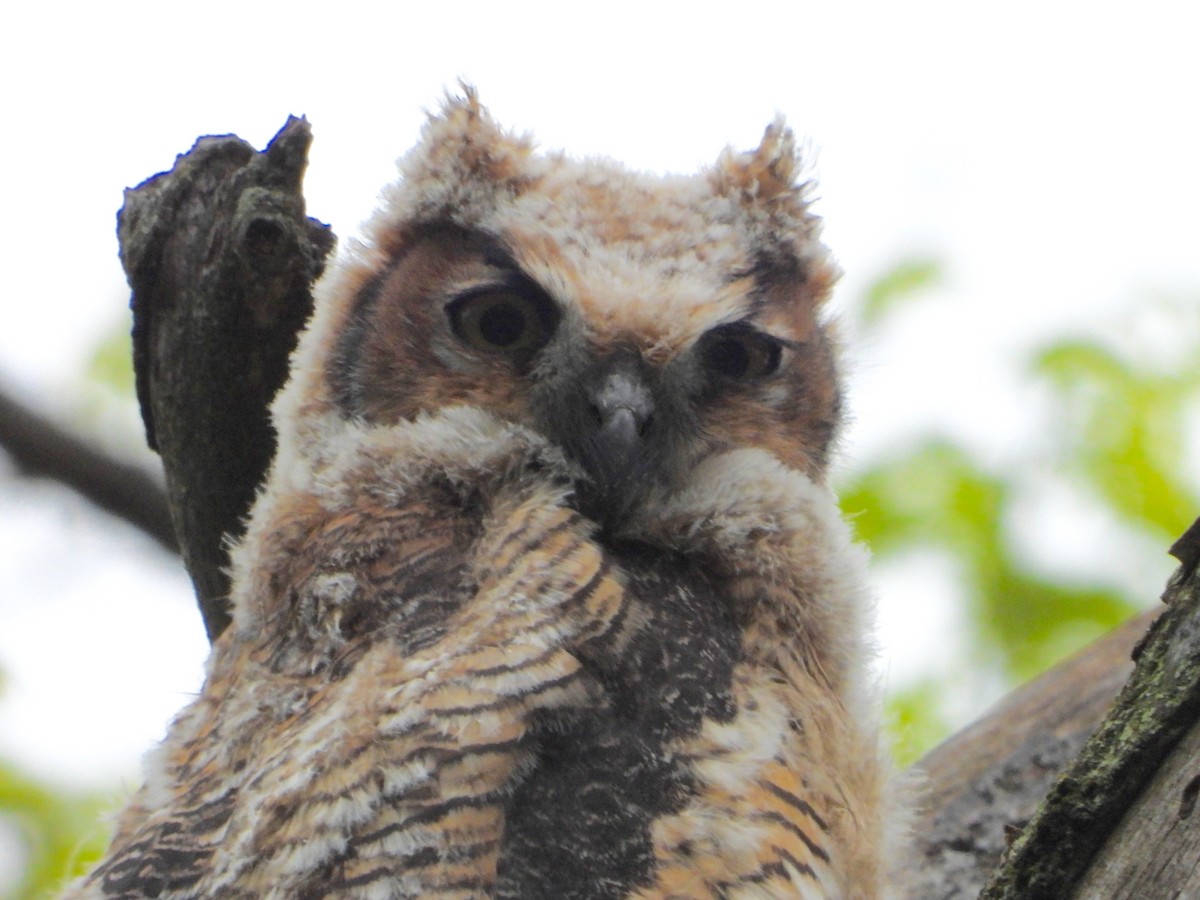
(638, 323)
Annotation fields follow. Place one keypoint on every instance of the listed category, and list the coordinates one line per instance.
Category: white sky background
(1047, 152)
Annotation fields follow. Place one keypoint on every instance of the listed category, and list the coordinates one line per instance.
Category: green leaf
(899, 284)
(111, 363)
(62, 832)
(934, 496)
(1122, 430)
(915, 721)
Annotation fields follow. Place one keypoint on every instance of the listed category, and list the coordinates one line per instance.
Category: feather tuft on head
(463, 165)
(767, 184)
(767, 174)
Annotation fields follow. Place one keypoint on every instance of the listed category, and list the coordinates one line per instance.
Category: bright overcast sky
(1047, 152)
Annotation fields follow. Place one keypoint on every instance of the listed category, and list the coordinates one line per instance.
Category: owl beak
(614, 449)
(622, 407)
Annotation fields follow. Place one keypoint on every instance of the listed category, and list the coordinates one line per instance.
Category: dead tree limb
(221, 257)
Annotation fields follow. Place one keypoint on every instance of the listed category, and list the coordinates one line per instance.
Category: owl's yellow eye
(502, 321)
(740, 354)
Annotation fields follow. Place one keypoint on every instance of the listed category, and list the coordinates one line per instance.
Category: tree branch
(40, 447)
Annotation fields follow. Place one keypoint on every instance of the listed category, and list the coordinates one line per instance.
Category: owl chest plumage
(462, 698)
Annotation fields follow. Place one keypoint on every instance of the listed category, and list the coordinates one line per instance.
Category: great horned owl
(545, 595)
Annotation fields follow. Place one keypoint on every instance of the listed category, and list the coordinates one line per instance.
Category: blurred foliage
(899, 284)
(915, 720)
(111, 363)
(1117, 427)
(1126, 429)
(104, 402)
(58, 833)
(936, 496)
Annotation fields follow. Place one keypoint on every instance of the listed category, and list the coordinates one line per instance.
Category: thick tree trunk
(221, 258)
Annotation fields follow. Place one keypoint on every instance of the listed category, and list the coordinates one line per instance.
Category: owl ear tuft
(770, 193)
(767, 175)
(463, 164)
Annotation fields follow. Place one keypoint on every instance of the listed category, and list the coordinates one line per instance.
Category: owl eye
(502, 321)
(740, 354)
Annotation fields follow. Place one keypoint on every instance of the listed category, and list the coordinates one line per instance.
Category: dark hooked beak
(615, 447)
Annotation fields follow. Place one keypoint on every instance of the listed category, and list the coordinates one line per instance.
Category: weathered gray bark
(987, 779)
(1121, 813)
(1089, 772)
(220, 257)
